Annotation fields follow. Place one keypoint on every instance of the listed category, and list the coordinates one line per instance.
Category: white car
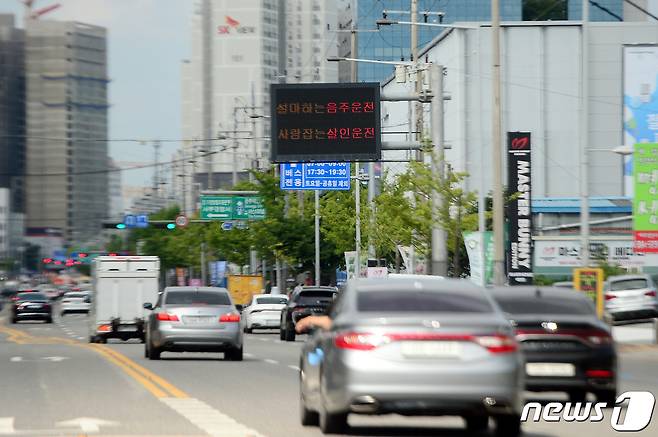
(76, 302)
(264, 311)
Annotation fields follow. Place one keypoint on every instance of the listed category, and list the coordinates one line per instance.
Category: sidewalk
(630, 336)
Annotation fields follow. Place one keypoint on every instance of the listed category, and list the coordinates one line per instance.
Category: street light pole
(439, 252)
(357, 193)
(584, 137)
(497, 149)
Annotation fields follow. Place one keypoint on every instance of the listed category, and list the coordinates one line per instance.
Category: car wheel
(146, 351)
(247, 330)
(290, 333)
(93, 339)
(508, 426)
(101, 340)
(476, 424)
(332, 423)
(306, 416)
(233, 355)
(153, 352)
(49, 320)
(282, 334)
(578, 396)
(63, 313)
(607, 396)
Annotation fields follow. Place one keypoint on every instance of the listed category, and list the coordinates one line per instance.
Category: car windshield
(545, 305)
(271, 300)
(629, 284)
(32, 297)
(422, 301)
(197, 298)
(312, 296)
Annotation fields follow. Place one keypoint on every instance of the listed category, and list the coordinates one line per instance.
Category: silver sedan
(193, 319)
(422, 346)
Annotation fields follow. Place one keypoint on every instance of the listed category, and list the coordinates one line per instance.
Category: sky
(147, 39)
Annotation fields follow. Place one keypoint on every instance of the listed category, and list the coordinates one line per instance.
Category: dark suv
(305, 302)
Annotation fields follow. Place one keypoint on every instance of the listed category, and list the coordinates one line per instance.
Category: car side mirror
(148, 306)
(239, 307)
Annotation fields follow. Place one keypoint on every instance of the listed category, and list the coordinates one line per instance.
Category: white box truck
(121, 286)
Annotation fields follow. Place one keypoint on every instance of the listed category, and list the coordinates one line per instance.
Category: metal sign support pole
(317, 237)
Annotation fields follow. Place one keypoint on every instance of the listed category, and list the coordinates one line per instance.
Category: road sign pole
(357, 200)
(317, 237)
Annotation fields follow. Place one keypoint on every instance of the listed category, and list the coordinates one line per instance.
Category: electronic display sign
(325, 122)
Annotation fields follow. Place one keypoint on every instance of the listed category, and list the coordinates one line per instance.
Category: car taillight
(360, 341)
(610, 296)
(598, 373)
(599, 337)
(497, 343)
(651, 293)
(229, 318)
(166, 317)
(14, 299)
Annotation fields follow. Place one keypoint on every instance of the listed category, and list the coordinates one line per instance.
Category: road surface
(52, 382)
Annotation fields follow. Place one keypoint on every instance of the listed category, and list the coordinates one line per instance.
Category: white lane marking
(277, 341)
(294, 368)
(208, 419)
(270, 361)
(55, 359)
(86, 424)
(7, 425)
(16, 359)
(80, 338)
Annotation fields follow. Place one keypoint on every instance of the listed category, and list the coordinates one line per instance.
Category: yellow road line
(156, 385)
(148, 385)
(174, 391)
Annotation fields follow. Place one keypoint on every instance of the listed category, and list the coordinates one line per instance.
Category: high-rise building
(310, 37)
(67, 152)
(393, 43)
(238, 50)
(12, 136)
(115, 192)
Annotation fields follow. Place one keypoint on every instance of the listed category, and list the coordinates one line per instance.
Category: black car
(305, 302)
(566, 347)
(31, 306)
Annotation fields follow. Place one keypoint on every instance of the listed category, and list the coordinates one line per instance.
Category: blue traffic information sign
(330, 176)
(142, 221)
(130, 221)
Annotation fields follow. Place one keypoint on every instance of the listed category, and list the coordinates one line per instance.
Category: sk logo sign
(520, 143)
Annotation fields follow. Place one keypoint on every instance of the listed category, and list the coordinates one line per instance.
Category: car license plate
(197, 320)
(431, 349)
(550, 369)
(127, 328)
(34, 307)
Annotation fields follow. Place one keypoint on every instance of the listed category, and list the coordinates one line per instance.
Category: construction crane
(35, 14)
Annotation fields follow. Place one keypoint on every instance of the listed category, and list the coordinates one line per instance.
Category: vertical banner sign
(519, 216)
(640, 66)
(645, 200)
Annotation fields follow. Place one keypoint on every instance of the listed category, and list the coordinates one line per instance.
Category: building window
(545, 10)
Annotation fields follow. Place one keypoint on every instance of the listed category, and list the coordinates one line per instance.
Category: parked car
(193, 319)
(309, 300)
(31, 306)
(264, 311)
(420, 346)
(566, 347)
(630, 297)
(75, 302)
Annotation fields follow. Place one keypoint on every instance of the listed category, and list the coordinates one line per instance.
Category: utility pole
(439, 252)
(235, 148)
(419, 75)
(496, 148)
(254, 144)
(156, 170)
(207, 25)
(203, 263)
(357, 186)
(584, 139)
(317, 237)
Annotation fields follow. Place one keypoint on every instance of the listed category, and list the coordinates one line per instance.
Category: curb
(636, 347)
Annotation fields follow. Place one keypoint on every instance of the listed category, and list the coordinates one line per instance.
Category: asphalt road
(52, 382)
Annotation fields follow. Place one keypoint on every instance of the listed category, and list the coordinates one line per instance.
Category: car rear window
(422, 301)
(32, 296)
(543, 305)
(629, 284)
(312, 296)
(271, 300)
(197, 298)
(75, 295)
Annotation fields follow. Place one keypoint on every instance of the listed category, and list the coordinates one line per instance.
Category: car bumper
(75, 308)
(418, 392)
(604, 359)
(198, 339)
(264, 321)
(33, 315)
(632, 313)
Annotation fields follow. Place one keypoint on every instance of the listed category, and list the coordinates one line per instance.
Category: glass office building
(392, 43)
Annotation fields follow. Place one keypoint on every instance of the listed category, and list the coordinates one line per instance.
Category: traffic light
(121, 226)
(171, 226)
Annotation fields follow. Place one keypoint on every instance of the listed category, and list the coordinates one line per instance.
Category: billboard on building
(566, 253)
(519, 216)
(645, 199)
(326, 122)
(640, 88)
